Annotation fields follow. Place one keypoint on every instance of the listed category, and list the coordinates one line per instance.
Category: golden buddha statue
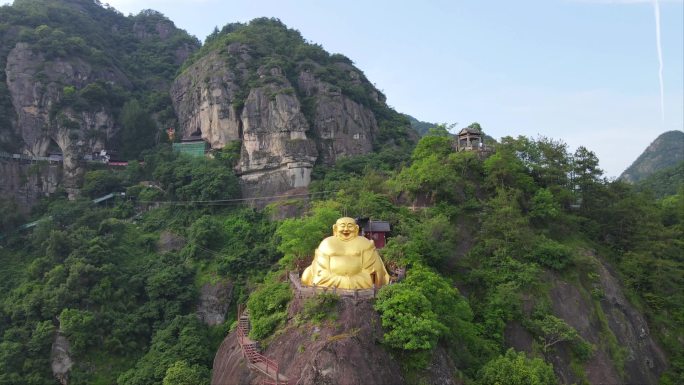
(346, 261)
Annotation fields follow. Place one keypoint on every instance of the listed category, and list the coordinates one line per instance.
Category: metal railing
(251, 353)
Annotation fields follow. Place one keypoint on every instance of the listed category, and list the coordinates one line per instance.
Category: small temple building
(469, 139)
(376, 231)
(193, 146)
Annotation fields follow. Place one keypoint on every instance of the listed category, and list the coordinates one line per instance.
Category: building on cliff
(376, 231)
(469, 139)
(193, 146)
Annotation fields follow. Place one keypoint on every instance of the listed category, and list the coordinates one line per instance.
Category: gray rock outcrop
(60, 359)
(28, 183)
(342, 126)
(343, 352)
(214, 302)
(634, 357)
(37, 86)
(223, 98)
(169, 241)
(68, 77)
(203, 98)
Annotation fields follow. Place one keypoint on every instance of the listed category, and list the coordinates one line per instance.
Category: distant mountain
(420, 127)
(664, 182)
(665, 152)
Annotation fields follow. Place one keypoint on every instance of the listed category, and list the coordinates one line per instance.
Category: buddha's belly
(345, 265)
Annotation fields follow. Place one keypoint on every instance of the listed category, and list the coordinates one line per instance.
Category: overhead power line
(235, 200)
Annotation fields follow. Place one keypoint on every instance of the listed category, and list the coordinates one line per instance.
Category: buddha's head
(345, 229)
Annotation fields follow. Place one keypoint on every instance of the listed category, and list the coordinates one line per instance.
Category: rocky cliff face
(37, 86)
(68, 76)
(203, 98)
(27, 183)
(214, 302)
(346, 351)
(286, 122)
(60, 358)
(624, 351)
(277, 154)
(343, 127)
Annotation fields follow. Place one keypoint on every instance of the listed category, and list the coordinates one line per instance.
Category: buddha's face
(345, 229)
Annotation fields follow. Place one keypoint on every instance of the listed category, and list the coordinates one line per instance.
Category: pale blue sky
(584, 71)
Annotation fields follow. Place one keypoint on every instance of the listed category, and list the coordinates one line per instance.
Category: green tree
(192, 179)
(545, 209)
(586, 175)
(78, 326)
(516, 369)
(553, 330)
(550, 253)
(138, 130)
(300, 236)
(10, 214)
(545, 159)
(268, 307)
(432, 242)
(505, 230)
(408, 317)
(183, 339)
(204, 235)
(505, 170)
(181, 373)
(101, 182)
(436, 142)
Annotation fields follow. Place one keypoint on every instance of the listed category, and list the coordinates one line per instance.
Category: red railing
(274, 382)
(251, 353)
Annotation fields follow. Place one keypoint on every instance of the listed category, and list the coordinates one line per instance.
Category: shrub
(516, 369)
(101, 182)
(407, 316)
(552, 254)
(320, 307)
(267, 307)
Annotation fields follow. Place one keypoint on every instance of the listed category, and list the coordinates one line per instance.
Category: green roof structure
(195, 148)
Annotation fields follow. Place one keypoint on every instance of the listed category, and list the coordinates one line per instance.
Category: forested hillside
(664, 182)
(488, 258)
(421, 128)
(523, 263)
(666, 151)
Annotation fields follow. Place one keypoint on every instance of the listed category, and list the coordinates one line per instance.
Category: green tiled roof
(191, 148)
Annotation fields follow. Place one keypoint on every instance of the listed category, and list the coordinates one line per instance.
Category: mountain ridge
(664, 152)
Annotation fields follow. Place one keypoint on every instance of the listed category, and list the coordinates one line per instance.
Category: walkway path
(250, 352)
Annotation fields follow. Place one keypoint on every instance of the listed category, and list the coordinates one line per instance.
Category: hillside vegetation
(665, 152)
(498, 229)
(524, 264)
(126, 64)
(664, 182)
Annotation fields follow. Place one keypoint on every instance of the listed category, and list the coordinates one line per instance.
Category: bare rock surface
(644, 360)
(28, 183)
(60, 359)
(343, 127)
(203, 98)
(169, 241)
(223, 97)
(214, 301)
(346, 351)
(36, 85)
(441, 369)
